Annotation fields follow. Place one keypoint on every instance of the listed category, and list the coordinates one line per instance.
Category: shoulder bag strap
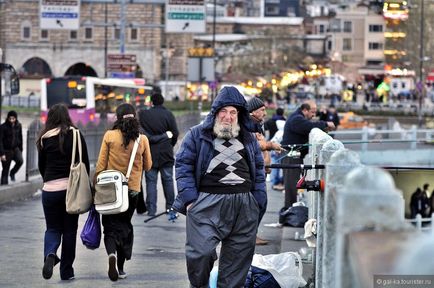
(74, 144)
(133, 155)
(79, 144)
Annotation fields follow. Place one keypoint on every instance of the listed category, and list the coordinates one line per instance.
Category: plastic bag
(91, 233)
(283, 268)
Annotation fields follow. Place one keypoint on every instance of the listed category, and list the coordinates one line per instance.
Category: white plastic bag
(283, 268)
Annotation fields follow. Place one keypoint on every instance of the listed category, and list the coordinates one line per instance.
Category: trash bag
(294, 216)
(283, 268)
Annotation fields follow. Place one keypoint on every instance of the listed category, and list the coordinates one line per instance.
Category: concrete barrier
(19, 191)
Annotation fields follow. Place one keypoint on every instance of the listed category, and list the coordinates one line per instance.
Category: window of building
(329, 45)
(73, 35)
(272, 10)
(290, 12)
(321, 29)
(375, 28)
(134, 34)
(88, 33)
(116, 33)
(44, 34)
(347, 44)
(335, 25)
(348, 26)
(26, 30)
(375, 46)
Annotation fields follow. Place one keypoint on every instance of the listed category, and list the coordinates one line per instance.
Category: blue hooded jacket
(197, 149)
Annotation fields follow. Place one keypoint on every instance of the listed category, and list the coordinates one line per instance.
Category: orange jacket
(114, 156)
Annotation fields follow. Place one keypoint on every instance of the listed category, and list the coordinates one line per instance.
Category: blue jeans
(276, 174)
(151, 187)
(61, 227)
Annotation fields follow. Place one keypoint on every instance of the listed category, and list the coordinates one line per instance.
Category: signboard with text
(185, 16)
(59, 14)
(121, 65)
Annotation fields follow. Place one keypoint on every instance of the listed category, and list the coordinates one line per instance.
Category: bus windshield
(70, 91)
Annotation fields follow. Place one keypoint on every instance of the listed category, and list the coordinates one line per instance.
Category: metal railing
(93, 135)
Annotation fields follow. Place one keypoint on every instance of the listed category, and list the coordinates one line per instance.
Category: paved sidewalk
(158, 254)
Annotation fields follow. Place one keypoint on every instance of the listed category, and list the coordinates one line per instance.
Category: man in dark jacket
(296, 131)
(159, 125)
(221, 189)
(11, 146)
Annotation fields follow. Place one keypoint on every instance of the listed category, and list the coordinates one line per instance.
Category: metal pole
(421, 59)
(105, 40)
(166, 68)
(213, 47)
(122, 34)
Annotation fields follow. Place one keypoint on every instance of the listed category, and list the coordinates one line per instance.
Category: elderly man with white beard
(221, 189)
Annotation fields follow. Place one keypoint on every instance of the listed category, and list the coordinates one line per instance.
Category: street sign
(127, 59)
(122, 74)
(122, 65)
(185, 16)
(59, 14)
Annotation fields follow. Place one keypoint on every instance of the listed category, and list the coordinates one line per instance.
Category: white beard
(226, 132)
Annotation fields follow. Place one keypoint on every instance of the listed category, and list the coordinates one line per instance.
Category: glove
(169, 134)
(172, 215)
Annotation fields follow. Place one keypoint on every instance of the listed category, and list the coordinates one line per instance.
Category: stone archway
(35, 67)
(80, 69)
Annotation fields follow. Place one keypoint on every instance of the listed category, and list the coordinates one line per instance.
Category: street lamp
(421, 60)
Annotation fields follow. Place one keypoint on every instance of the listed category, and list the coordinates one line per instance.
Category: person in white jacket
(277, 174)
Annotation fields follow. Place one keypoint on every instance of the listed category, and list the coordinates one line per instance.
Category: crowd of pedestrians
(220, 171)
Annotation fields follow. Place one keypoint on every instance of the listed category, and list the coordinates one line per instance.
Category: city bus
(89, 98)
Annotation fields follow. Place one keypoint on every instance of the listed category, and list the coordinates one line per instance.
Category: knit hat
(254, 104)
(12, 113)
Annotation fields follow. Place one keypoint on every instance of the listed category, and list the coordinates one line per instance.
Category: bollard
(368, 200)
(340, 164)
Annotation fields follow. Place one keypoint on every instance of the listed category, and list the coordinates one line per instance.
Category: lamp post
(421, 60)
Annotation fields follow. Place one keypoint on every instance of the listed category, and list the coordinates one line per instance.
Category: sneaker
(122, 274)
(112, 272)
(261, 242)
(47, 270)
(12, 177)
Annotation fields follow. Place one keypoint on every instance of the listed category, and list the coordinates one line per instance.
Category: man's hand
(331, 126)
(277, 147)
(169, 134)
(3, 157)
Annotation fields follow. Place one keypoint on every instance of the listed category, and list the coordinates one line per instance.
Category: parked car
(350, 120)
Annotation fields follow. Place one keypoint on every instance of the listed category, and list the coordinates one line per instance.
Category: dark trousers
(231, 219)
(17, 156)
(151, 187)
(290, 178)
(61, 228)
(119, 234)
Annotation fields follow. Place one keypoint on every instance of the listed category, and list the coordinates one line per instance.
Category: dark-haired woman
(54, 160)
(115, 152)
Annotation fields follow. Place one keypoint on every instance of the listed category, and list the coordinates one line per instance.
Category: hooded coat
(11, 136)
(196, 152)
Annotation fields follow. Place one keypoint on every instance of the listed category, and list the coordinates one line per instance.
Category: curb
(19, 191)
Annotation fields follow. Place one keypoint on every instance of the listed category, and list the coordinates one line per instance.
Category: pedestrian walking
(159, 125)
(256, 108)
(11, 146)
(296, 131)
(221, 189)
(116, 148)
(54, 160)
